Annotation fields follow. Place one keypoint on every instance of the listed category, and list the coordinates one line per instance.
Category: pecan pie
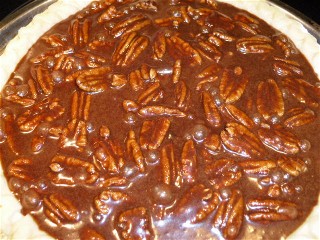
(149, 119)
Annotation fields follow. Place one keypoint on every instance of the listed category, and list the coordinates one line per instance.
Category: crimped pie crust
(13, 225)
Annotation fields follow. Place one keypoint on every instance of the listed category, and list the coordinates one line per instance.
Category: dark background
(310, 8)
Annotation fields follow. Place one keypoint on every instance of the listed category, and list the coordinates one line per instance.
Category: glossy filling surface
(168, 119)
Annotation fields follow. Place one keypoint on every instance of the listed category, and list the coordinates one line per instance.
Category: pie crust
(13, 225)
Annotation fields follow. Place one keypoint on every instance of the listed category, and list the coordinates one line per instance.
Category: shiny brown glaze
(163, 119)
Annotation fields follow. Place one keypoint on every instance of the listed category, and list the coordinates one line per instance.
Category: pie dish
(13, 224)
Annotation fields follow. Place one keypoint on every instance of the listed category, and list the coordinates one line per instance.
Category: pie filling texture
(163, 119)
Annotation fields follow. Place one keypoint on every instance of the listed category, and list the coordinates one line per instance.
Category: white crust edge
(13, 225)
(28, 35)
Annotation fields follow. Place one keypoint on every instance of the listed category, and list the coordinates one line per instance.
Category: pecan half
(269, 210)
(108, 155)
(184, 14)
(47, 110)
(8, 121)
(25, 102)
(76, 131)
(170, 166)
(280, 140)
(153, 133)
(159, 46)
(21, 168)
(285, 68)
(80, 106)
(118, 81)
(152, 94)
(269, 99)
(134, 151)
(210, 110)
(110, 13)
(239, 116)
(93, 80)
(254, 167)
(229, 215)
(130, 47)
(129, 25)
(63, 168)
(189, 162)
(293, 166)
(44, 79)
(107, 199)
(256, 44)
(216, 41)
(91, 60)
(209, 72)
(156, 110)
(55, 40)
(239, 140)
(224, 22)
(112, 182)
(204, 12)
(286, 45)
(98, 44)
(178, 49)
(32, 88)
(135, 224)
(60, 210)
(232, 85)
(223, 35)
(130, 106)
(149, 74)
(176, 71)
(247, 27)
(299, 117)
(168, 21)
(136, 80)
(303, 91)
(205, 83)
(79, 32)
(182, 95)
(213, 143)
(147, 5)
(196, 204)
(64, 63)
(56, 52)
(209, 49)
(223, 173)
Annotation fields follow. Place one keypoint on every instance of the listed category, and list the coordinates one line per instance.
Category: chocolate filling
(168, 119)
